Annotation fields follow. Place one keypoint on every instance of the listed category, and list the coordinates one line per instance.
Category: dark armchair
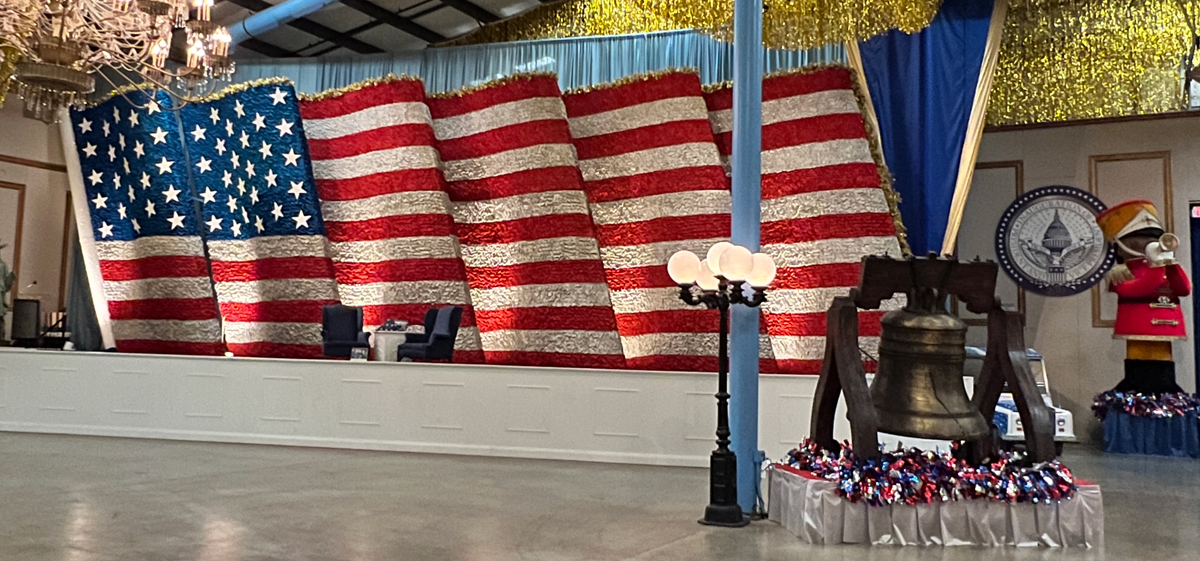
(436, 343)
(341, 330)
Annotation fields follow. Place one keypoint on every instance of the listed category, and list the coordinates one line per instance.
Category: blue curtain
(578, 62)
(923, 86)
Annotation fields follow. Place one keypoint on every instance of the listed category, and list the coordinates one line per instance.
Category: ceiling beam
(264, 48)
(397, 21)
(315, 29)
(472, 10)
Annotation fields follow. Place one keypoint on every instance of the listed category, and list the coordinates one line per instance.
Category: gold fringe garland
(369, 82)
(11, 57)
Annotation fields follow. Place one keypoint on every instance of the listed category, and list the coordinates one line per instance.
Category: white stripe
(408, 292)
(676, 156)
(813, 348)
(647, 114)
(287, 333)
(391, 204)
(374, 117)
(158, 288)
(502, 115)
(640, 300)
(267, 246)
(680, 344)
(551, 341)
(815, 300)
(379, 161)
(532, 251)
(821, 203)
(651, 254)
(540, 295)
(378, 251)
(150, 246)
(511, 161)
(275, 290)
(650, 207)
(829, 102)
(833, 250)
(518, 207)
(189, 331)
(817, 154)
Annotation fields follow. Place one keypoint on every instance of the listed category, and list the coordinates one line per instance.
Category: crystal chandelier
(62, 46)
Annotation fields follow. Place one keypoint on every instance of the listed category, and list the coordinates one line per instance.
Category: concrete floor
(82, 499)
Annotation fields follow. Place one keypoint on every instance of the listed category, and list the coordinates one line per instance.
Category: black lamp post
(715, 291)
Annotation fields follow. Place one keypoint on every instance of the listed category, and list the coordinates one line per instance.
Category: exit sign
(1196, 211)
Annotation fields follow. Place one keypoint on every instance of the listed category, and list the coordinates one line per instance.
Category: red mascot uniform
(1148, 284)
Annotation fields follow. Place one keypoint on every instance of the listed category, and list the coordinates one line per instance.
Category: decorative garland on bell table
(1151, 406)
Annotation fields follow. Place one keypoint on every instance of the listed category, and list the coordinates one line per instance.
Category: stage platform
(620, 416)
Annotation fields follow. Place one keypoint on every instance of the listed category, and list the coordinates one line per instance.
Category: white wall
(1083, 360)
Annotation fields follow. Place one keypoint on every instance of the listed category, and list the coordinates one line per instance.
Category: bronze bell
(918, 390)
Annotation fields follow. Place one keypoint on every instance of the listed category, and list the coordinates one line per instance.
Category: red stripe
(371, 140)
(170, 266)
(166, 308)
(788, 134)
(513, 89)
(403, 89)
(829, 178)
(812, 367)
(646, 138)
(662, 86)
(414, 314)
(511, 137)
(683, 180)
(276, 350)
(539, 180)
(400, 270)
(580, 318)
(654, 276)
(817, 276)
(526, 229)
(812, 324)
(144, 346)
(670, 228)
(779, 87)
(293, 311)
(689, 363)
(560, 360)
(273, 269)
(697, 320)
(400, 181)
(388, 227)
(827, 226)
(541, 272)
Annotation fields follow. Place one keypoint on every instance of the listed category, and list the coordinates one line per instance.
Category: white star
(198, 133)
(214, 115)
(133, 118)
(297, 189)
(245, 216)
(85, 126)
(104, 125)
(164, 166)
(239, 108)
(96, 177)
(149, 208)
(132, 194)
(204, 165)
(235, 160)
(285, 128)
(241, 186)
(277, 212)
(214, 224)
(231, 203)
(244, 139)
(100, 201)
(227, 178)
(112, 153)
(254, 195)
(221, 146)
(258, 224)
(160, 136)
(176, 220)
(278, 97)
(125, 164)
(116, 181)
(237, 229)
(209, 195)
(301, 220)
(139, 148)
(172, 194)
(136, 227)
(291, 156)
(265, 150)
(249, 169)
(105, 230)
(145, 180)
(117, 115)
(121, 210)
(271, 178)
(228, 127)
(152, 107)
(89, 149)
(259, 122)
(121, 140)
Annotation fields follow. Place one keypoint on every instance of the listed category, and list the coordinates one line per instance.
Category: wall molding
(60, 168)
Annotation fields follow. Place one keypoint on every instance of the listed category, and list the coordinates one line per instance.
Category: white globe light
(763, 271)
(714, 256)
(706, 279)
(736, 263)
(683, 267)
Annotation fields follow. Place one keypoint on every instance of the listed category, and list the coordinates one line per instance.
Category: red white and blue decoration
(1152, 424)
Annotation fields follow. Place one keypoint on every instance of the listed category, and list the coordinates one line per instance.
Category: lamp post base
(723, 509)
(729, 516)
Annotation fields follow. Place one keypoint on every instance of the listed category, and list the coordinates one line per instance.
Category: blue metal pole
(747, 189)
(275, 16)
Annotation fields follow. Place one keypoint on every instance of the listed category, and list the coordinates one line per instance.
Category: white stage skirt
(811, 509)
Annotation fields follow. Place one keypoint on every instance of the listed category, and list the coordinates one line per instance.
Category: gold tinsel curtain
(1065, 60)
(787, 24)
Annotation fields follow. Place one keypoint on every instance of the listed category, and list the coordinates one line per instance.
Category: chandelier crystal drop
(59, 49)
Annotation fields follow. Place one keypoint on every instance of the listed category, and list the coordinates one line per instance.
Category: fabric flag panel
(151, 256)
(655, 184)
(825, 206)
(261, 218)
(386, 213)
(528, 242)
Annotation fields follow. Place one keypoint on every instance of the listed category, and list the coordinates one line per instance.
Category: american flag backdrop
(824, 206)
(151, 256)
(262, 220)
(385, 207)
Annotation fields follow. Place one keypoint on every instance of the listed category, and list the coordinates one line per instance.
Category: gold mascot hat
(1127, 218)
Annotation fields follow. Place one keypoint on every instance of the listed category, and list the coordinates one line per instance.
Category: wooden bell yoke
(928, 281)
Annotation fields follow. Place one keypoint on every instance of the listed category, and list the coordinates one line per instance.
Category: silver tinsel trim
(158, 288)
(379, 161)
(793, 108)
(502, 115)
(150, 246)
(676, 156)
(391, 204)
(533, 251)
(408, 292)
(641, 115)
(565, 295)
(518, 207)
(277, 290)
(640, 209)
(377, 251)
(809, 205)
(511, 161)
(817, 154)
(199, 331)
(375, 117)
(542, 340)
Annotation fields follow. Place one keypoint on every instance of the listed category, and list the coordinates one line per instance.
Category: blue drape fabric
(1171, 436)
(579, 63)
(923, 86)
